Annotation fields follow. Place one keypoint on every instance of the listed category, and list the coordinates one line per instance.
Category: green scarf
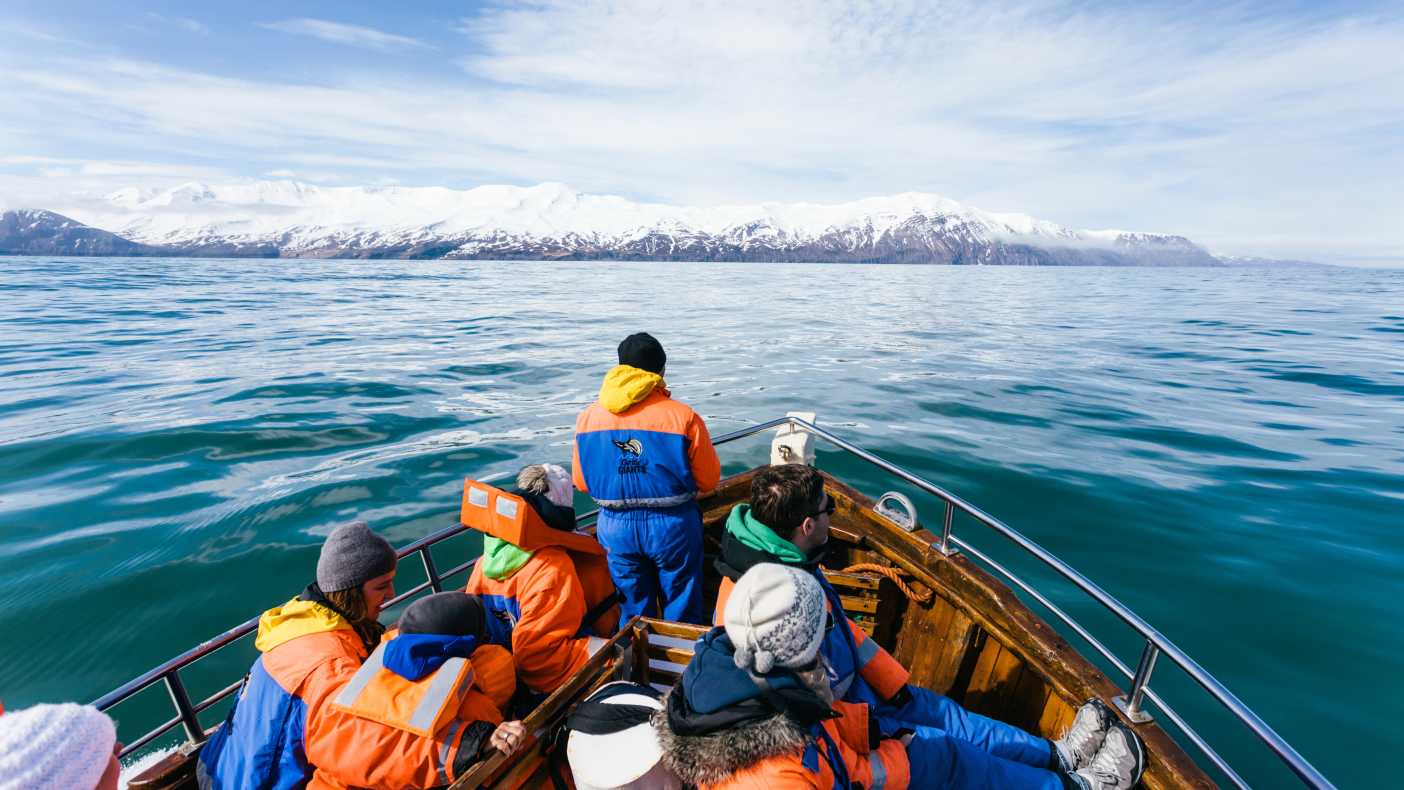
(758, 536)
(502, 559)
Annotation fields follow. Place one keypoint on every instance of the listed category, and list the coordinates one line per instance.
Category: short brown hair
(782, 497)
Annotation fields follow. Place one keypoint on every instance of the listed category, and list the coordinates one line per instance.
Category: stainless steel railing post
(945, 546)
(180, 698)
(1130, 704)
(431, 570)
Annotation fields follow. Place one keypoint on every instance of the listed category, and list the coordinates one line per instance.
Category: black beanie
(642, 351)
(446, 614)
(555, 516)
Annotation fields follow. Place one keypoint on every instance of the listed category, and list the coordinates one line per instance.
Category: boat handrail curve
(187, 712)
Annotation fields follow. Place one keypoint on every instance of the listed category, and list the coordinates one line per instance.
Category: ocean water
(1222, 450)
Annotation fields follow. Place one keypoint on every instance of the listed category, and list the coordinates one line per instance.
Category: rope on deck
(896, 577)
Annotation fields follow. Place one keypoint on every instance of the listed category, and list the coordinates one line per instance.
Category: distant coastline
(550, 222)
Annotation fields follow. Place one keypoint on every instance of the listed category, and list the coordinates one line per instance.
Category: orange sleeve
(702, 456)
(544, 645)
(723, 595)
(577, 476)
(890, 753)
(883, 672)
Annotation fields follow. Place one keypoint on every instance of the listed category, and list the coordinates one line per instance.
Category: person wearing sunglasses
(786, 521)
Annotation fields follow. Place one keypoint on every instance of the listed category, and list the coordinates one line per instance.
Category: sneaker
(1118, 765)
(1082, 740)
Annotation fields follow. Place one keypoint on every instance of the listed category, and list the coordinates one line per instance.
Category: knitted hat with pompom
(55, 747)
(775, 618)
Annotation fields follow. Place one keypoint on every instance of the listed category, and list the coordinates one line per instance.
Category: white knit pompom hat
(775, 617)
(55, 747)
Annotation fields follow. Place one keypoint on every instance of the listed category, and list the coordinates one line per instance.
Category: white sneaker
(1082, 740)
(1118, 765)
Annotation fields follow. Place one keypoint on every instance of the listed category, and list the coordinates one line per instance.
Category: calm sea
(1222, 450)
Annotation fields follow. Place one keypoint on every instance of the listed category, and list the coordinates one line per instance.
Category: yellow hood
(293, 619)
(625, 385)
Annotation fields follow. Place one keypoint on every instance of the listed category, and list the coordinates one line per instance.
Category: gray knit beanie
(352, 556)
(775, 617)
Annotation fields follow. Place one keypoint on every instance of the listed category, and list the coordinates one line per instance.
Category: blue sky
(1270, 129)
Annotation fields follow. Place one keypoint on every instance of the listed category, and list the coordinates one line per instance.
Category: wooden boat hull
(973, 640)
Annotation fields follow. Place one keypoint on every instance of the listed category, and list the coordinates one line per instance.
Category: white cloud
(1248, 134)
(193, 26)
(351, 35)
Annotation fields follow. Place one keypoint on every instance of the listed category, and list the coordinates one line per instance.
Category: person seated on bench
(754, 709)
(787, 522)
(611, 744)
(434, 677)
(546, 587)
(289, 727)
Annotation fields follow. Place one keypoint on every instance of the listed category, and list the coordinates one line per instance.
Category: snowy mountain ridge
(289, 218)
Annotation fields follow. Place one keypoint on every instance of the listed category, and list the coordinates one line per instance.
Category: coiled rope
(896, 577)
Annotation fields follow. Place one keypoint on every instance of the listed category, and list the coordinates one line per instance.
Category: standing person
(58, 747)
(644, 458)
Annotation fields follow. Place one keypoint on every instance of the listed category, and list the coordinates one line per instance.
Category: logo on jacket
(632, 447)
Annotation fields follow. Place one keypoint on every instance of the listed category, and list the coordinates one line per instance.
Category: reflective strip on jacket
(285, 733)
(468, 689)
(538, 610)
(655, 454)
(863, 670)
(884, 768)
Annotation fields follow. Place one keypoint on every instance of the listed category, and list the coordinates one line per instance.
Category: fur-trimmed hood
(718, 719)
(705, 760)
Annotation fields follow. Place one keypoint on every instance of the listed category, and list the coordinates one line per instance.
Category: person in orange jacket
(546, 587)
(433, 675)
(644, 458)
(753, 707)
(284, 727)
(864, 677)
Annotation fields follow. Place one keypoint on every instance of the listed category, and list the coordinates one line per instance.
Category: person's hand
(508, 737)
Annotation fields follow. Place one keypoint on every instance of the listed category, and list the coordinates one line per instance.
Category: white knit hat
(55, 747)
(775, 617)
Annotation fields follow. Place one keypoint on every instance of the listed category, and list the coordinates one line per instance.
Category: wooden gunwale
(976, 641)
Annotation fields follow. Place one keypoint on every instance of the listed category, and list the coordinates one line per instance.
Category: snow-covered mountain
(38, 232)
(551, 221)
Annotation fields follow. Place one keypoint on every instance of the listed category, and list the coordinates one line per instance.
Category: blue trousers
(655, 555)
(935, 717)
(945, 761)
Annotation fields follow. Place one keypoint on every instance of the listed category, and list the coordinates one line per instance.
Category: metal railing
(1156, 644)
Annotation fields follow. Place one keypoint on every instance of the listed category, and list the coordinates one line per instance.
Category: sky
(1272, 129)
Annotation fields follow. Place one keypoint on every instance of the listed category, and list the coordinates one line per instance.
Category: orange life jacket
(552, 603)
(425, 706)
(507, 516)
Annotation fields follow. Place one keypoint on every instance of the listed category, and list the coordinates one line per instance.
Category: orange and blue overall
(644, 458)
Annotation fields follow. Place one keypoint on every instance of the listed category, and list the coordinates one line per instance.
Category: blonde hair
(532, 479)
